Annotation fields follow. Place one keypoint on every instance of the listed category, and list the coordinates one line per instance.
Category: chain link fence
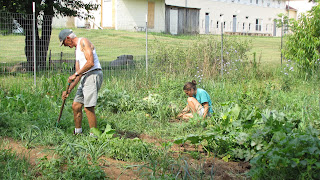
(20, 54)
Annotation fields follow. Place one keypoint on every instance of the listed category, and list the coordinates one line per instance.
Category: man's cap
(63, 35)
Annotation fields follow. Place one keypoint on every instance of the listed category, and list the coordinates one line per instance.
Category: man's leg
(77, 114)
(91, 117)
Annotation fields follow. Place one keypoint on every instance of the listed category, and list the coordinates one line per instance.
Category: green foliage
(295, 155)
(130, 149)
(240, 133)
(63, 168)
(64, 7)
(14, 167)
(154, 105)
(241, 127)
(302, 46)
(204, 53)
(106, 135)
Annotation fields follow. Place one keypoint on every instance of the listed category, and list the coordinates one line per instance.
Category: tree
(45, 11)
(303, 45)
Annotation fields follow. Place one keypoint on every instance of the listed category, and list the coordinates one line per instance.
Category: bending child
(198, 102)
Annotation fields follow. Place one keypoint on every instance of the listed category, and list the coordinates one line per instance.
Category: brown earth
(116, 169)
(113, 168)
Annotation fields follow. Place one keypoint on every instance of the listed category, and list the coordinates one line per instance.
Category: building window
(250, 1)
(224, 25)
(258, 24)
(217, 24)
(257, 1)
(267, 27)
(243, 25)
(249, 26)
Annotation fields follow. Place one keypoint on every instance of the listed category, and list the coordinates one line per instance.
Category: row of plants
(270, 140)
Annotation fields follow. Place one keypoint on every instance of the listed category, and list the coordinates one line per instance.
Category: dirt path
(114, 169)
(216, 167)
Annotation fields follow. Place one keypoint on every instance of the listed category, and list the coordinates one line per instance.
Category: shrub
(303, 45)
(296, 156)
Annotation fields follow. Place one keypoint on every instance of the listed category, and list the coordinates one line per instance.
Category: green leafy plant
(33, 133)
(13, 166)
(295, 155)
(241, 133)
(302, 45)
(64, 168)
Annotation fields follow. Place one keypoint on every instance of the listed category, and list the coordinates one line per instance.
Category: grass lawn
(112, 43)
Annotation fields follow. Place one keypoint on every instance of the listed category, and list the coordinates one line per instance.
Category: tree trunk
(43, 43)
(26, 23)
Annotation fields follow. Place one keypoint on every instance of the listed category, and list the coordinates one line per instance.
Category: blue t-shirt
(202, 96)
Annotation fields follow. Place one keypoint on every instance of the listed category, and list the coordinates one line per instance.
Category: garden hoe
(61, 109)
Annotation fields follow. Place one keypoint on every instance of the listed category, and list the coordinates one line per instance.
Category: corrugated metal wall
(188, 20)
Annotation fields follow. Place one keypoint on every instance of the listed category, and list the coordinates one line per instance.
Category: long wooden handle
(64, 100)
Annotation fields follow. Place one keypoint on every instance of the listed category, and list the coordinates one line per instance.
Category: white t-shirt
(82, 59)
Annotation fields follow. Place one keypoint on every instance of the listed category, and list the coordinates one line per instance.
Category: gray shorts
(87, 92)
(201, 112)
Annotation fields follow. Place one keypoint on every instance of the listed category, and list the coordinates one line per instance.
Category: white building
(237, 16)
(122, 15)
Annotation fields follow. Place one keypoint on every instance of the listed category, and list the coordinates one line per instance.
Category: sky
(301, 6)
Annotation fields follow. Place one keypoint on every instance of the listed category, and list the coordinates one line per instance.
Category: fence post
(34, 44)
(147, 42)
(221, 15)
(281, 37)
(60, 62)
(50, 61)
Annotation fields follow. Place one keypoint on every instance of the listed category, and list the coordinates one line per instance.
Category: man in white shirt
(88, 73)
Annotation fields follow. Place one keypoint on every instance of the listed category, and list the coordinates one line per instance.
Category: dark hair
(190, 85)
